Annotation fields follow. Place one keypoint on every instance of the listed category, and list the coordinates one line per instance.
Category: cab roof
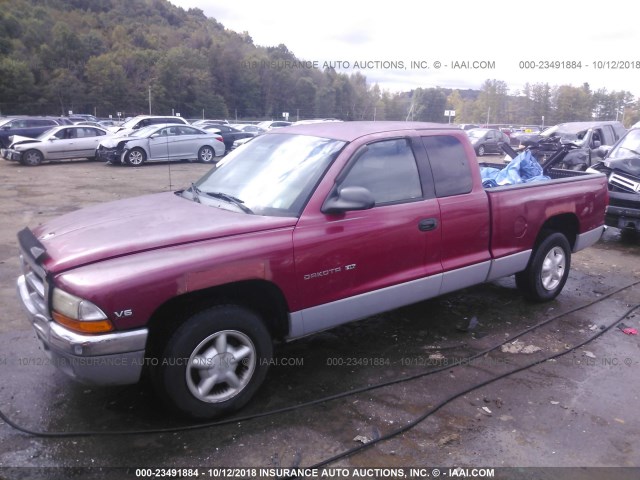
(349, 131)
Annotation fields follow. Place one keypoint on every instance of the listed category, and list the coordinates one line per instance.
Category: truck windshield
(271, 175)
(628, 147)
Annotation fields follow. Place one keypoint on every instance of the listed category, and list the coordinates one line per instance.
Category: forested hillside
(108, 56)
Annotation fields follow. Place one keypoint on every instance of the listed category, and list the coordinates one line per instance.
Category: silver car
(162, 143)
(57, 143)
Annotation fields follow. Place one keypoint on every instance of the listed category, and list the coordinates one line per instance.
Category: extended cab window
(449, 164)
(388, 170)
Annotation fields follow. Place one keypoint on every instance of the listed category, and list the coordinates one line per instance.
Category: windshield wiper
(196, 192)
(228, 198)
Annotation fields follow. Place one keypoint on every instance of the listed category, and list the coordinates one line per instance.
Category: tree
(305, 97)
(109, 84)
(491, 104)
(67, 90)
(187, 84)
(572, 104)
(430, 104)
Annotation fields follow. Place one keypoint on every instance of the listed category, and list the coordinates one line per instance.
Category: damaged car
(161, 143)
(587, 136)
(621, 164)
(58, 143)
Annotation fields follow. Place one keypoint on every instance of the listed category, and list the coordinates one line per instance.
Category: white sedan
(57, 143)
(161, 143)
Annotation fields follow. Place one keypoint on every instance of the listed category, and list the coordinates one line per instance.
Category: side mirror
(347, 199)
(602, 151)
(597, 143)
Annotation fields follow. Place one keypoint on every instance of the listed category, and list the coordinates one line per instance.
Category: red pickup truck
(302, 229)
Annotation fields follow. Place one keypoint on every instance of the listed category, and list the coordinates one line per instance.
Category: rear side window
(388, 170)
(449, 165)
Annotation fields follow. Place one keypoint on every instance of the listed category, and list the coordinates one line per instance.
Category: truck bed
(515, 209)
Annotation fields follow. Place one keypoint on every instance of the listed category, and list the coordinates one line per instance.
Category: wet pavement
(578, 410)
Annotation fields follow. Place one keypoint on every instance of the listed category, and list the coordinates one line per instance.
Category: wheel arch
(32, 149)
(565, 223)
(261, 296)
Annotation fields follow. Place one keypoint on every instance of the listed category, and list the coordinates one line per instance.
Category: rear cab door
(464, 210)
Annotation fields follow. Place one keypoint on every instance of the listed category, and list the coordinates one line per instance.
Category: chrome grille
(624, 183)
(36, 281)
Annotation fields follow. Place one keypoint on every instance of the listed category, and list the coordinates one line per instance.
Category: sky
(517, 42)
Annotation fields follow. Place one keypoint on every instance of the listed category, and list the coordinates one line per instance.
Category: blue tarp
(522, 169)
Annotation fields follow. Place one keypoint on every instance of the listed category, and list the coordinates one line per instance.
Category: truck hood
(138, 224)
(629, 165)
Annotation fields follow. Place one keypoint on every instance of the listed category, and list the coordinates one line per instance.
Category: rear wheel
(135, 157)
(214, 362)
(32, 158)
(206, 154)
(481, 151)
(548, 269)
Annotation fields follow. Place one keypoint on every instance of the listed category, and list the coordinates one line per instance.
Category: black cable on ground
(449, 399)
(329, 398)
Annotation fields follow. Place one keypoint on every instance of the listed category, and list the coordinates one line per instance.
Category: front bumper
(623, 211)
(11, 155)
(106, 359)
(112, 155)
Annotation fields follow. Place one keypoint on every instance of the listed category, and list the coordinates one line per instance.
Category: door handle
(427, 224)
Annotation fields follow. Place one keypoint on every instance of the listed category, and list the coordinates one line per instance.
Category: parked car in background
(316, 120)
(268, 125)
(522, 133)
(58, 143)
(249, 128)
(108, 122)
(142, 121)
(228, 133)
(82, 117)
(27, 127)
(467, 126)
(163, 142)
(206, 122)
(486, 140)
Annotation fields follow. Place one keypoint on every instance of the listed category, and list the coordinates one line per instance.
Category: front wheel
(214, 362)
(32, 158)
(206, 154)
(548, 269)
(135, 157)
(481, 150)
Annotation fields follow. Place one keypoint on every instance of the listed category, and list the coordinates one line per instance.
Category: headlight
(78, 314)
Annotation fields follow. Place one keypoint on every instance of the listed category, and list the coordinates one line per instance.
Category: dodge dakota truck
(300, 230)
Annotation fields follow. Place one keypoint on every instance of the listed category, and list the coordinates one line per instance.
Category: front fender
(130, 288)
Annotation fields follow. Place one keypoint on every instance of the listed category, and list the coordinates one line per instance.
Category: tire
(206, 154)
(135, 157)
(195, 379)
(548, 269)
(32, 158)
(481, 151)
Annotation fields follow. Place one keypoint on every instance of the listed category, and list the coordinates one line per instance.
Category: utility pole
(149, 99)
